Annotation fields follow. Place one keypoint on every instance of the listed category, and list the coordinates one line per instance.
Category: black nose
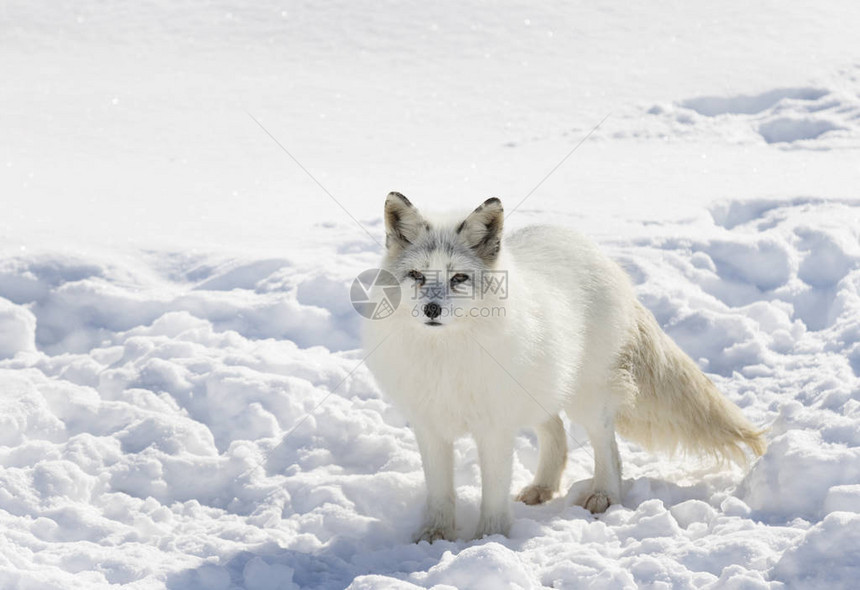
(432, 310)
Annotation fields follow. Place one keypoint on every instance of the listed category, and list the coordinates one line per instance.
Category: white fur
(563, 343)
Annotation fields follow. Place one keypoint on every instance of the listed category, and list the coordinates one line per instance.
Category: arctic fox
(496, 334)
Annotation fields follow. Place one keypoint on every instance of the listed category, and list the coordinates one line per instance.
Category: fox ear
(482, 229)
(403, 222)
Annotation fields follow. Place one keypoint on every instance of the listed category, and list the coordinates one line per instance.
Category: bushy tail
(674, 405)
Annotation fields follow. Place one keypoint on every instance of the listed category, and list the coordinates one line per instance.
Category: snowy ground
(182, 403)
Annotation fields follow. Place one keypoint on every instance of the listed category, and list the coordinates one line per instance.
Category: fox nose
(432, 310)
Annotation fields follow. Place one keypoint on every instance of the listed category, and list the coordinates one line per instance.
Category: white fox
(464, 356)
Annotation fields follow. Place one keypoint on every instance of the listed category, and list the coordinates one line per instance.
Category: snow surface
(182, 399)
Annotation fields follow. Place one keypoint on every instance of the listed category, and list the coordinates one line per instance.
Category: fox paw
(597, 502)
(497, 524)
(535, 494)
(431, 533)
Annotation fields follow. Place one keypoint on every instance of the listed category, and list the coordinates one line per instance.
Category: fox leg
(437, 458)
(495, 452)
(552, 445)
(606, 485)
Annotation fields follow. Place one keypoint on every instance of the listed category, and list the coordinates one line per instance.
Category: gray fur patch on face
(439, 243)
(442, 247)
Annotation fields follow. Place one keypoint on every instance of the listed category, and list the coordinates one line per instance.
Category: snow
(18, 326)
(183, 403)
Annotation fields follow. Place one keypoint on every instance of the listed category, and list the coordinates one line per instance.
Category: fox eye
(459, 278)
(417, 276)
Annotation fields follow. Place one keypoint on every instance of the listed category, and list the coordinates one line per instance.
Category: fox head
(448, 270)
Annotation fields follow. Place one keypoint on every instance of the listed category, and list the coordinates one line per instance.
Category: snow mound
(794, 481)
(790, 118)
(712, 106)
(78, 305)
(18, 329)
(828, 556)
(790, 129)
(843, 498)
